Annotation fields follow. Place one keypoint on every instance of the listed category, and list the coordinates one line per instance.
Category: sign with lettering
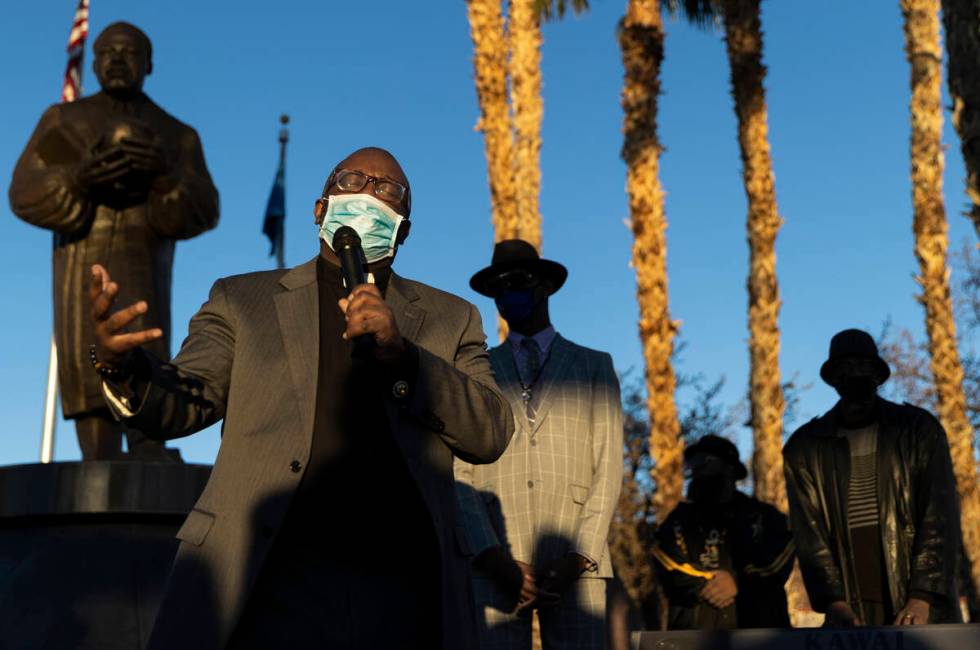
(919, 637)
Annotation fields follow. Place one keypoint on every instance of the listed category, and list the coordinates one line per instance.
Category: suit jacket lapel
(509, 382)
(298, 310)
(400, 296)
(551, 376)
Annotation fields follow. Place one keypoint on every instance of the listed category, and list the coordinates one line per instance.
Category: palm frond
(700, 13)
(555, 9)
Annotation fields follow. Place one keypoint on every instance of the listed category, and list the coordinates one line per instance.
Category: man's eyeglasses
(513, 280)
(349, 180)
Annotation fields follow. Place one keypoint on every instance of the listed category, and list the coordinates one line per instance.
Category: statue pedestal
(85, 549)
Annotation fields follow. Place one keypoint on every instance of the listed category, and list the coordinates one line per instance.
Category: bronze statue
(118, 180)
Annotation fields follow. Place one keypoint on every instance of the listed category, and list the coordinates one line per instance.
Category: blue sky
(399, 75)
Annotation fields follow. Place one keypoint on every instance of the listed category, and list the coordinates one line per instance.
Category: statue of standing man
(118, 180)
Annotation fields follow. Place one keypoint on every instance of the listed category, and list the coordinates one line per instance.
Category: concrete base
(85, 549)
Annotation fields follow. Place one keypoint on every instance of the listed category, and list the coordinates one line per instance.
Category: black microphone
(347, 246)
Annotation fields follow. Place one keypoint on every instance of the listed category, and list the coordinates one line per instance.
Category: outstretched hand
(112, 345)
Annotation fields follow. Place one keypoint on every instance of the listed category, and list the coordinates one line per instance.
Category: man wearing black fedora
(537, 519)
(873, 503)
(724, 556)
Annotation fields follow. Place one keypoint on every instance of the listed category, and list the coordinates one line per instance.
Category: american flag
(72, 87)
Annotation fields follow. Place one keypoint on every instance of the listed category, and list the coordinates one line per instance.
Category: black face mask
(707, 490)
(857, 399)
(858, 389)
(516, 307)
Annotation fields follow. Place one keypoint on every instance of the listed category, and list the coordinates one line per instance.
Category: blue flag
(275, 214)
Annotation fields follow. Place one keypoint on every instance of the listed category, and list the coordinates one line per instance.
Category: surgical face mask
(374, 221)
(516, 306)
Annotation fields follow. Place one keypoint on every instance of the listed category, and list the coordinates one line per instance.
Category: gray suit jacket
(251, 358)
(555, 488)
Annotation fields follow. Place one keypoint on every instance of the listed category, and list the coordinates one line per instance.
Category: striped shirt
(862, 513)
(862, 494)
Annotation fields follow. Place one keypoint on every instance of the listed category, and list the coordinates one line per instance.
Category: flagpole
(50, 405)
(283, 140)
(71, 89)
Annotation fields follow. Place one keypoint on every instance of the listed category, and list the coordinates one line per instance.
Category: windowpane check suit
(552, 492)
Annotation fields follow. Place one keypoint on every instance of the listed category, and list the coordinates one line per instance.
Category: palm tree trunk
(641, 38)
(490, 73)
(924, 52)
(962, 21)
(524, 34)
(743, 38)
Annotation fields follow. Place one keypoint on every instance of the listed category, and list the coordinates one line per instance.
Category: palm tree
(507, 64)
(524, 36)
(490, 75)
(924, 53)
(743, 41)
(490, 72)
(641, 39)
(961, 18)
(524, 40)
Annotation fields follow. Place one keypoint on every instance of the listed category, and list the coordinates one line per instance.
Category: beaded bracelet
(107, 372)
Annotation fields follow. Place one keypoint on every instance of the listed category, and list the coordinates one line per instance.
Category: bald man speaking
(329, 520)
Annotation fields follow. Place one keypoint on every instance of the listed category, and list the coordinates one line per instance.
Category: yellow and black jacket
(746, 537)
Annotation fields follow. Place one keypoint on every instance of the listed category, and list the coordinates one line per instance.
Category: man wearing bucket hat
(872, 500)
(537, 519)
(724, 556)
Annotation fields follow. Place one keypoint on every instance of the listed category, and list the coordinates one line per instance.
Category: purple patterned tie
(532, 368)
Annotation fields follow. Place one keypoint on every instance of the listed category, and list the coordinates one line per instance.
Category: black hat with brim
(722, 448)
(512, 254)
(853, 344)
